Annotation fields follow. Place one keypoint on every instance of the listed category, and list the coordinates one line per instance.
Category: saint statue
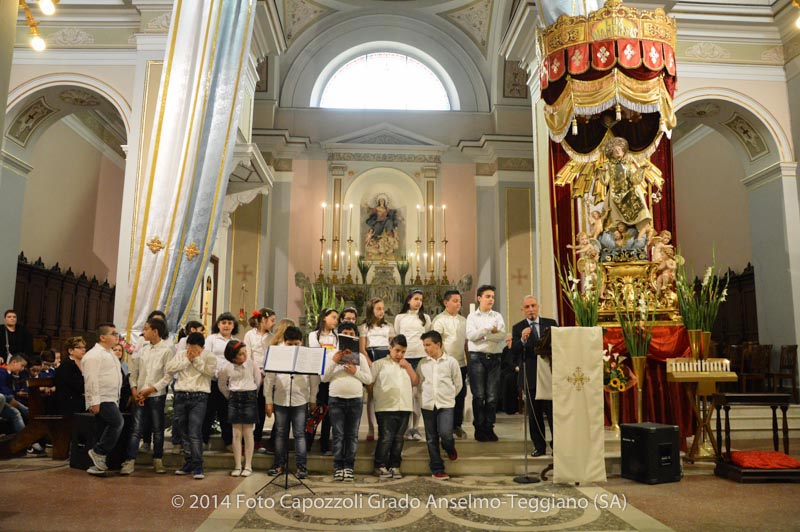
(382, 238)
(624, 187)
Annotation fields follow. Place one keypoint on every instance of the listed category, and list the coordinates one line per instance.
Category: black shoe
(480, 436)
(302, 473)
(275, 470)
(491, 436)
(536, 453)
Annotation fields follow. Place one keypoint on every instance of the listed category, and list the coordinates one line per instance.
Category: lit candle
(336, 213)
(431, 229)
(438, 263)
(329, 261)
(350, 223)
(444, 223)
(341, 260)
(323, 218)
(419, 222)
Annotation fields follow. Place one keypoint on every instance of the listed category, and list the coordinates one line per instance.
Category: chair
(787, 370)
(755, 365)
(733, 353)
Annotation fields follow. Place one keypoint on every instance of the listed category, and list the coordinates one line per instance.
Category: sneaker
(185, 470)
(480, 435)
(177, 449)
(453, 456)
(416, 436)
(338, 475)
(236, 473)
(383, 472)
(158, 466)
(275, 471)
(261, 450)
(459, 433)
(441, 475)
(302, 472)
(409, 435)
(491, 436)
(396, 472)
(99, 460)
(97, 472)
(127, 467)
(32, 451)
(198, 475)
(348, 475)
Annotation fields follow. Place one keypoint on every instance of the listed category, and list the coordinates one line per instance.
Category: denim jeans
(458, 415)
(484, 378)
(148, 419)
(296, 416)
(190, 411)
(217, 409)
(110, 422)
(12, 414)
(345, 417)
(438, 425)
(391, 428)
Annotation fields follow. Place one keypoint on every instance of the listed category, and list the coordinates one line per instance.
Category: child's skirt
(242, 408)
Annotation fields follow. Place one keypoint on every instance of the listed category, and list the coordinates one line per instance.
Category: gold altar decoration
(614, 411)
(694, 342)
(634, 280)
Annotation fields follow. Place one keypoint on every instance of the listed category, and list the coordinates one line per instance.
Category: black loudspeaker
(86, 432)
(650, 453)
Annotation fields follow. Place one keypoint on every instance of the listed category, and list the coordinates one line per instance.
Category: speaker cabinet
(650, 453)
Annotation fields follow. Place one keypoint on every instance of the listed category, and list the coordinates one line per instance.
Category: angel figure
(660, 245)
(666, 270)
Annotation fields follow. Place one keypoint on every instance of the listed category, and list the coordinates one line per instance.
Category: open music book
(296, 359)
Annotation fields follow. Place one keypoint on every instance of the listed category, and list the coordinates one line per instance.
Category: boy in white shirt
(486, 335)
(392, 381)
(439, 381)
(453, 328)
(149, 380)
(303, 395)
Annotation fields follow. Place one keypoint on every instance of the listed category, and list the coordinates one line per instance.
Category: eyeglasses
(81, 347)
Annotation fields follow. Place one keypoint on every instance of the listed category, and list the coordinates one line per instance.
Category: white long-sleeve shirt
(322, 339)
(216, 344)
(377, 336)
(277, 385)
(391, 386)
(194, 376)
(454, 335)
(102, 376)
(244, 377)
(479, 332)
(410, 325)
(344, 385)
(440, 381)
(148, 368)
(257, 345)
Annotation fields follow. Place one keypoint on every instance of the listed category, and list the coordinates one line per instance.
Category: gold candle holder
(418, 279)
(321, 278)
(349, 279)
(444, 261)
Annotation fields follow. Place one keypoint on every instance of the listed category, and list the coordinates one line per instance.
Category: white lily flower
(724, 294)
(606, 358)
(707, 277)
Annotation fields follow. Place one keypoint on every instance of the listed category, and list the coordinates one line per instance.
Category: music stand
(526, 478)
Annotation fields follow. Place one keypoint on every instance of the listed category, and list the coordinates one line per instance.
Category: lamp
(48, 8)
(796, 3)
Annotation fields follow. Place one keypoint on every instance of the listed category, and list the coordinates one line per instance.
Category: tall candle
(431, 228)
(419, 223)
(323, 218)
(329, 261)
(337, 212)
(444, 223)
(350, 223)
(438, 263)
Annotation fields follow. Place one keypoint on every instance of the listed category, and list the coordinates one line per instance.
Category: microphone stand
(526, 478)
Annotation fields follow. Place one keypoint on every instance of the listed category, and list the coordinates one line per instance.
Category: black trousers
(217, 409)
(536, 414)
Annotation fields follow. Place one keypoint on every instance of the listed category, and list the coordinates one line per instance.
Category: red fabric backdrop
(664, 402)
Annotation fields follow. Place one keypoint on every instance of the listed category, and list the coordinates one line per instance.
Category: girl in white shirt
(239, 381)
(257, 341)
(223, 331)
(412, 322)
(323, 336)
(375, 337)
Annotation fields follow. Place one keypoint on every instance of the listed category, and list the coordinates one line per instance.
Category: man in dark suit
(525, 338)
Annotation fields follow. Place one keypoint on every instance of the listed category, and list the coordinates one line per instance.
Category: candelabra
(321, 278)
(418, 280)
(349, 279)
(444, 261)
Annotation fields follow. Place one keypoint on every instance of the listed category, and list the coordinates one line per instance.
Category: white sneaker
(98, 460)
(416, 435)
(383, 472)
(198, 475)
(127, 467)
(96, 472)
(396, 473)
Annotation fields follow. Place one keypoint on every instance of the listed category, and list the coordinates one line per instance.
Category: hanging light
(37, 43)
(796, 3)
(48, 7)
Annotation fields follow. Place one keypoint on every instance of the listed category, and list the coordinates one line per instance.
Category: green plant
(699, 308)
(315, 303)
(363, 267)
(584, 302)
(636, 321)
(402, 264)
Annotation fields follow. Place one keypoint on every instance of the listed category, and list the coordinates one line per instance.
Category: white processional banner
(184, 176)
(579, 435)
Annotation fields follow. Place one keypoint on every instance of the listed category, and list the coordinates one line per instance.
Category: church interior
(210, 158)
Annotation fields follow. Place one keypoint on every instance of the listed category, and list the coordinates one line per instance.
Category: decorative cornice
(732, 71)
(299, 15)
(385, 157)
(268, 37)
(493, 148)
(769, 174)
(14, 164)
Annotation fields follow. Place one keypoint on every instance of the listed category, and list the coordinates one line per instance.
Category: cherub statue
(660, 245)
(596, 223)
(666, 270)
(584, 246)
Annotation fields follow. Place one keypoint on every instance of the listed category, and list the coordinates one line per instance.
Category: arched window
(385, 80)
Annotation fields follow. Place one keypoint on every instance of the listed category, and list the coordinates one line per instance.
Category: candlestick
(350, 225)
(444, 222)
(349, 279)
(419, 223)
(425, 258)
(418, 280)
(337, 231)
(323, 218)
(321, 278)
(438, 263)
(444, 262)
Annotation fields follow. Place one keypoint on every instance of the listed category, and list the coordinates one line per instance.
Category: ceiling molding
(299, 15)
(474, 19)
(80, 129)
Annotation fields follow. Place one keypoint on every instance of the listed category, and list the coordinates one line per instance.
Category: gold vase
(640, 368)
(614, 411)
(705, 344)
(694, 342)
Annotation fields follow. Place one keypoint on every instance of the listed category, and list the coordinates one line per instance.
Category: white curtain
(579, 435)
(552, 9)
(184, 177)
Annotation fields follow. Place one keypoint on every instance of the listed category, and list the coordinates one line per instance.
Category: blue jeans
(458, 416)
(296, 415)
(438, 425)
(110, 421)
(484, 378)
(148, 419)
(391, 428)
(12, 414)
(345, 417)
(190, 412)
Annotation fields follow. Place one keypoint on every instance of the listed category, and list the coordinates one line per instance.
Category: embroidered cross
(653, 55)
(629, 52)
(578, 379)
(577, 57)
(603, 54)
(556, 65)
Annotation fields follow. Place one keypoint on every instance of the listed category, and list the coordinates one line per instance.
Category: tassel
(618, 109)
(574, 126)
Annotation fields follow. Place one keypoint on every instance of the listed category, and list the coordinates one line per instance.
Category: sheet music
(310, 360)
(280, 358)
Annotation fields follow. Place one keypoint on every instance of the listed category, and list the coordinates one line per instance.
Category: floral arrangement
(699, 309)
(636, 320)
(125, 345)
(363, 267)
(616, 376)
(584, 303)
(315, 303)
(402, 264)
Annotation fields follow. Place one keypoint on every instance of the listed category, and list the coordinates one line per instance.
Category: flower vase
(614, 412)
(705, 344)
(640, 368)
(694, 342)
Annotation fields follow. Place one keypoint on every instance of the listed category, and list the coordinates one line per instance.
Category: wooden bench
(40, 424)
(727, 469)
